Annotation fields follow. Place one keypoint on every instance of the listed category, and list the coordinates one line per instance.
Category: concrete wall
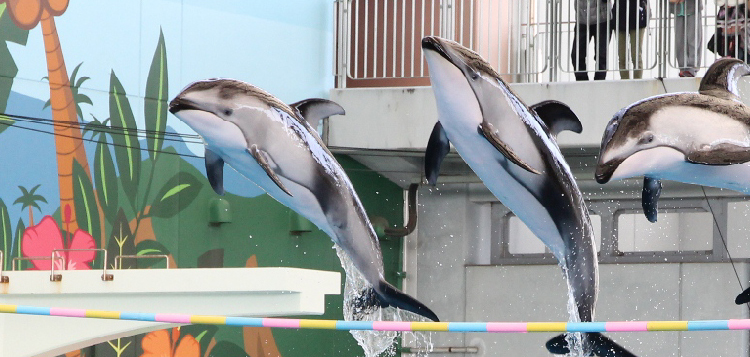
(447, 269)
(402, 118)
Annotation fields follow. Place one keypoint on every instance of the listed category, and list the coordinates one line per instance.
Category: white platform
(225, 291)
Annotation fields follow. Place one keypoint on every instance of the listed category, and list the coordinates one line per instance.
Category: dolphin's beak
(434, 44)
(604, 171)
(179, 103)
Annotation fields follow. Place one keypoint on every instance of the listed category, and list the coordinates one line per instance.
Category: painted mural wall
(91, 159)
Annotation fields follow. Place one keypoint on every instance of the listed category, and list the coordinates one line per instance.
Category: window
(674, 231)
(738, 232)
(522, 241)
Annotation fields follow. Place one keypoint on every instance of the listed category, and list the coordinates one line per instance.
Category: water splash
(358, 306)
(574, 340)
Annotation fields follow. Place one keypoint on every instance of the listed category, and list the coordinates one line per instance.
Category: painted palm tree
(79, 98)
(69, 146)
(29, 200)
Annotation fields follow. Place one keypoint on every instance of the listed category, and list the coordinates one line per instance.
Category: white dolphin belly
(667, 163)
(227, 140)
(485, 160)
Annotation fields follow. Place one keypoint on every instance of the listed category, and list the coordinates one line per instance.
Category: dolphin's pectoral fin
(215, 171)
(720, 154)
(557, 116)
(261, 157)
(601, 345)
(488, 131)
(314, 110)
(650, 197)
(437, 148)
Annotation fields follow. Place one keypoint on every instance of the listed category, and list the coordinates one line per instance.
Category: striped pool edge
(320, 324)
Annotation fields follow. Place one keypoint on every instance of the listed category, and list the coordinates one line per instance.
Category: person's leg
(679, 41)
(622, 54)
(636, 50)
(693, 43)
(578, 53)
(601, 39)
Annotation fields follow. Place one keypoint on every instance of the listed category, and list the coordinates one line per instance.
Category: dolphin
(277, 147)
(700, 138)
(512, 148)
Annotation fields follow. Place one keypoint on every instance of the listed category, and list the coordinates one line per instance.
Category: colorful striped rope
(512, 327)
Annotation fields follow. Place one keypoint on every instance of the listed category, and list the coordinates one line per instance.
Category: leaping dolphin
(701, 138)
(513, 150)
(276, 146)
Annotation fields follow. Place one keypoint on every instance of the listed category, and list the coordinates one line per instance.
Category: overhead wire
(133, 132)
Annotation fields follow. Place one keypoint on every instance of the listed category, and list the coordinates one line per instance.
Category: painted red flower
(161, 344)
(40, 240)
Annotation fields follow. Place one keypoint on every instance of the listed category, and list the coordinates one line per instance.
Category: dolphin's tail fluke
(601, 346)
(390, 296)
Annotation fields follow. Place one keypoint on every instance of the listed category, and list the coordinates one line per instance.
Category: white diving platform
(254, 292)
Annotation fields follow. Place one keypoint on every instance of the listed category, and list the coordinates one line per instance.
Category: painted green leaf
(6, 232)
(176, 194)
(105, 178)
(121, 242)
(20, 228)
(227, 349)
(202, 333)
(155, 103)
(125, 138)
(9, 32)
(5, 121)
(87, 212)
(150, 247)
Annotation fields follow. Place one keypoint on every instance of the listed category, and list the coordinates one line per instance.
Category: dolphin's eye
(474, 75)
(646, 139)
(228, 112)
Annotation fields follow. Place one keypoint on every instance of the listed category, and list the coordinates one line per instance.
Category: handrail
(378, 44)
(58, 277)
(29, 258)
(3, 279)
(118, 259)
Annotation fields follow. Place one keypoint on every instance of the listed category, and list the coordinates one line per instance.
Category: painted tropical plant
(78, 98)
(8, 33)
(123, 205)
(69, 146)
(29, 200)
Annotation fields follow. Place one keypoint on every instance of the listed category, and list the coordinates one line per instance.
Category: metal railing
(378, 42)
(119, 258)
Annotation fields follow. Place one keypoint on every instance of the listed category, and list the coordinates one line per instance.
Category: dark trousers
(583, 33)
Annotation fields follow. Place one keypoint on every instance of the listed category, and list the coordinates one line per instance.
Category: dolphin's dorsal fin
(315, 109)
(215, 171)
(650, 197)
(557, 116)
(437, 148)
(489, 132)
(721, 78)
(262, 158)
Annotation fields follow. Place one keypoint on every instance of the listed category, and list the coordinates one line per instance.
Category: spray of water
(358, 296)
(574, 340)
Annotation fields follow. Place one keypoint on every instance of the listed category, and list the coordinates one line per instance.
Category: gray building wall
(448, 262)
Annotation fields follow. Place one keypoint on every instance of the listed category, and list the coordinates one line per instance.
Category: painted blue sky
(284, 47)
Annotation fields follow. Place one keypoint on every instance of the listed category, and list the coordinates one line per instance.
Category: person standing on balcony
(631, 18)
(688, 35)
(592, 22)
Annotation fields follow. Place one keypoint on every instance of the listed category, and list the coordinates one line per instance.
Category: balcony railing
(378, 41)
